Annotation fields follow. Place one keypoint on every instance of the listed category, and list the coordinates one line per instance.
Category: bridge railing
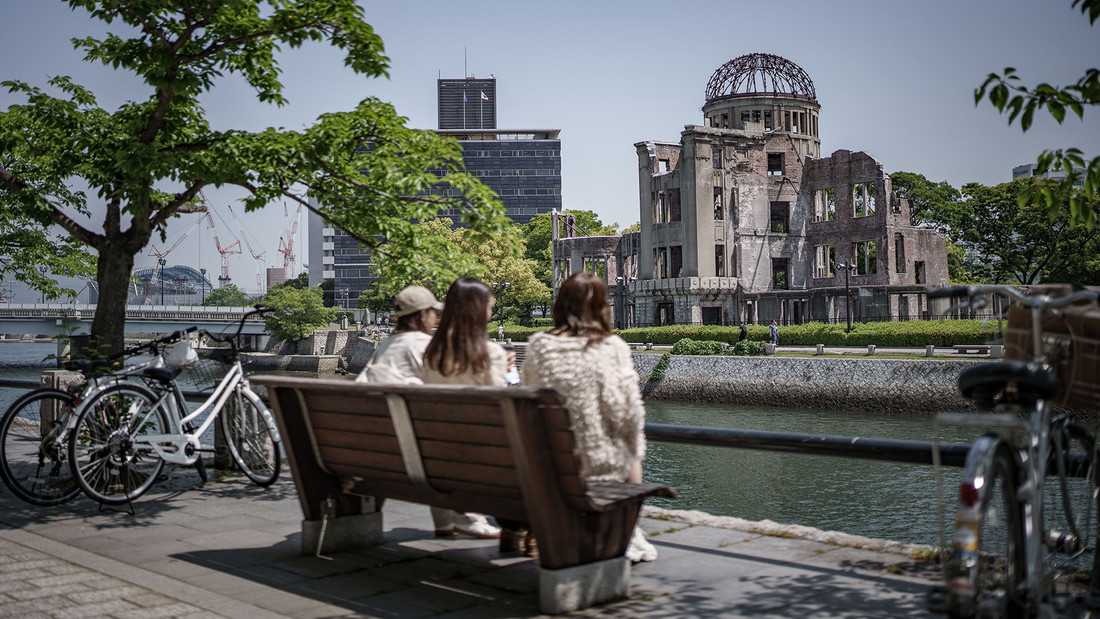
(83, 311)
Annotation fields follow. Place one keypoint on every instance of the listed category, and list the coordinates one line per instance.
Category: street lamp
(162, 262)
(203, 284)
(847, 267)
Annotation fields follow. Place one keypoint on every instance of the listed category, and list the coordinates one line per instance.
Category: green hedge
(745, 348)
(911, 334)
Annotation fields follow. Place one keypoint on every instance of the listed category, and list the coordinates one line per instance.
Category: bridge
(52, 319)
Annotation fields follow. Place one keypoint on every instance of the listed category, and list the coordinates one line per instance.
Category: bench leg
(580, 586)
(342, 533)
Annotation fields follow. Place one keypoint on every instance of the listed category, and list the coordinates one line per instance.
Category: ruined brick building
(742, 219)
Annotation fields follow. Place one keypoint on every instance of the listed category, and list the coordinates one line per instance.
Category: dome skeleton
(759, 74)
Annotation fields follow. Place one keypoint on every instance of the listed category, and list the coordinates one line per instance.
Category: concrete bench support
(342, 533)
(573, 588)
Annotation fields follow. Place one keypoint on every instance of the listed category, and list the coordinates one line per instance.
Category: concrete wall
(878, 385)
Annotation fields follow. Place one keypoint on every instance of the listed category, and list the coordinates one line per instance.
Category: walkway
(230, 549)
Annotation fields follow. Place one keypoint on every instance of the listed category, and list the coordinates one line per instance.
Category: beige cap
(414, 299)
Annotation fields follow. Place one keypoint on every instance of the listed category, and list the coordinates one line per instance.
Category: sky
(894, 79)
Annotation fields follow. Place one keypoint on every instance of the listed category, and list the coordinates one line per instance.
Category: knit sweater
(600, 389)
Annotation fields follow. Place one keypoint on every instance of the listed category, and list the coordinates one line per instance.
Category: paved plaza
(230, 549)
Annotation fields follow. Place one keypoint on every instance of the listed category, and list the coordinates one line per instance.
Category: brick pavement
(228, 548)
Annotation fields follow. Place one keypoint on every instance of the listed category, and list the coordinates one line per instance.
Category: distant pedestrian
(500, 330)
(775, 333)
(744, 332)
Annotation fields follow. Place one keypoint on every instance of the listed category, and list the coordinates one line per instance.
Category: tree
(501, 265)
(1016, 240)
(537, 235)
(1006, 94)
(932, 204)
(147, 160)
(227, 296)
(298, 312)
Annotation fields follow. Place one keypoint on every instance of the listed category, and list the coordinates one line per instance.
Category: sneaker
(640, 549)
(477, 527)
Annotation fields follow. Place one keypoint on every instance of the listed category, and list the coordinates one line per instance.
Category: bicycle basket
(1070, 338)
(203, 375)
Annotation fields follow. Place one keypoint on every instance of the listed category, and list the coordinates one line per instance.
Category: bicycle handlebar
(1039, 300)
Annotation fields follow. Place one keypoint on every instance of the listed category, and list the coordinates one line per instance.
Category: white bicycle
(125, 434)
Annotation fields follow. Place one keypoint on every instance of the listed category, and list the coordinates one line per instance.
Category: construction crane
(151, 286)
(257, 256)
(223, 278)
(286, 243)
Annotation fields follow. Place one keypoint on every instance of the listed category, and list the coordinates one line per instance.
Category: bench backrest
(441, 445)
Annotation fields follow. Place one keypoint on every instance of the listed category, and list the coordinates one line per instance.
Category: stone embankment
(325, 352)
(877, 385)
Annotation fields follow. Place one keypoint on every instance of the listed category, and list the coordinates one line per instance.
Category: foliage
(148, 159)
(934, 204)
(1017, 241)
(1005, 93)
(748, 348)
(227, 296)
(298, 312)
(688, 346)
(301, 282)
(658, 373)
(916, 333)
(376, 301)
(500, 265)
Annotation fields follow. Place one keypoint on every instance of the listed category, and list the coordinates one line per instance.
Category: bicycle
(34, 430)
(125, 434)
(1002, 548)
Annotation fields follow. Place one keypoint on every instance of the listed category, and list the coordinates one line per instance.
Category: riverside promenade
(229, 549)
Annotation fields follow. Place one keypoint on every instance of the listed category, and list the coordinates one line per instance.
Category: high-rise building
(523, 167)
(469, 103)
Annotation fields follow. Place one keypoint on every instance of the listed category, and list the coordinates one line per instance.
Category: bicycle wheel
(251, 440)
(110, 460)
(33, 454)
(987, 564)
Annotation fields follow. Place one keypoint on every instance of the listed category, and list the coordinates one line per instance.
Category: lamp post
(162, 262)
(498, 291)
(203, 284)
(847, 267)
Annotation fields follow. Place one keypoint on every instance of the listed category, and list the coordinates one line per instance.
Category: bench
(969, 348)
(507, 452)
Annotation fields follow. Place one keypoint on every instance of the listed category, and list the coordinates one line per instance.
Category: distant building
(170, 285)
(743, 220)
(523, 166)
(1028, 170)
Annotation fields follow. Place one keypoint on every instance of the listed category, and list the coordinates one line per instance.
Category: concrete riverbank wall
(877, 385)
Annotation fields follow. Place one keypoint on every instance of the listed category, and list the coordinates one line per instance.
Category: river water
(874, 499)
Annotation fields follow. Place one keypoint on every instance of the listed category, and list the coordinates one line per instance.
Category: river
(874, 499)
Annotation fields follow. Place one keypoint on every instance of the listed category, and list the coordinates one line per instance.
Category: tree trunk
(113, 275)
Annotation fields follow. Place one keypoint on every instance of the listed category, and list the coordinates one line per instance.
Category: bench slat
(485, 435)
(357, 440)
(352, 422)
(347, 404)
(474, 473)
(462, 452)
(479, 413)
(360, 458)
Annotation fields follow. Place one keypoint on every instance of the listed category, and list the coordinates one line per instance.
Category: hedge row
(744, 348)
(909, 334)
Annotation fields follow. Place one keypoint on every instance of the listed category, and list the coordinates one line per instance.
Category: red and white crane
(257, 256)
(286, 243)
(223, 278)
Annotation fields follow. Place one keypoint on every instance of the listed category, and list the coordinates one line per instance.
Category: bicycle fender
(265, 412)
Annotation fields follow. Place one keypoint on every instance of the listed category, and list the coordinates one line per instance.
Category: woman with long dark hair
(594, 373)
(460, 353)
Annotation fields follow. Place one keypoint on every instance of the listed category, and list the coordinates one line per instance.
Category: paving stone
(177, 609)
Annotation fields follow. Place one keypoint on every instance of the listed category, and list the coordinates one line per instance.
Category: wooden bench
(507, 452)
(969, 348)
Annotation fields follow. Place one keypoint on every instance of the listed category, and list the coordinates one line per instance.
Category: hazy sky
(894, 79)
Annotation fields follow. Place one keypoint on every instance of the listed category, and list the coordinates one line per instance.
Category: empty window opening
(666, 314)
(663, 165)
(719, 260)
(719, 209)
(863, 199)
(780, 217)
(824, 259)
(725, 121)
(866, 258)
(756, 116)
(767, 120)
(780, 274)
(899, 252)
(744, 118)
(824, 205)
(674, 205)
(712, 315)
(786, 120)
(775, 164)
(918, 272)
(676, 261)
(716, 157)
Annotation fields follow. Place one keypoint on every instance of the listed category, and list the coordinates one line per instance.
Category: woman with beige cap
(400, 359)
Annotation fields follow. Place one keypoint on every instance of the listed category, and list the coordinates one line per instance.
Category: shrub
(748, 348)
(658, 373)
(915, 333)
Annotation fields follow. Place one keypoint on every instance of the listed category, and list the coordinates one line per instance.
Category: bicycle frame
(184, 448)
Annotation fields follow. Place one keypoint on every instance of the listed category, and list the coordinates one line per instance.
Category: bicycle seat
(985, 383)
(161, 374)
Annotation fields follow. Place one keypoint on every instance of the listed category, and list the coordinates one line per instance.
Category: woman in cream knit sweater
(593, 372)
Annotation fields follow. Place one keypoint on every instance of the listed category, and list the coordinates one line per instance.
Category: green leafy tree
(376, 302)
(148, 159)
(298, 312)
(1016, 240)
(1005, 93)
(501, 265)
(227, 296)
(932, 204)
(301, 282)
